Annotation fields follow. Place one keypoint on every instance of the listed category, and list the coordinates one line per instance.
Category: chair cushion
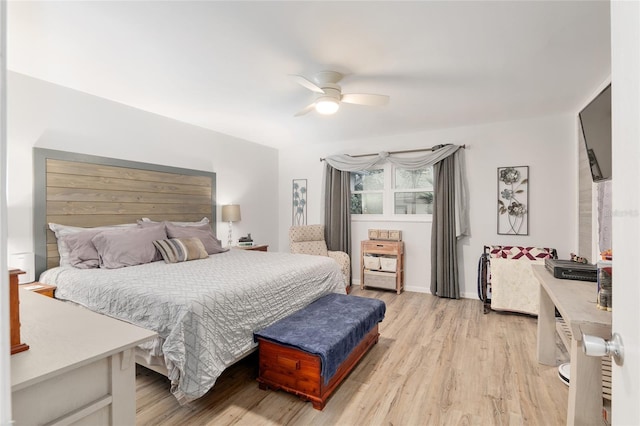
(318, 248)
(306, 233)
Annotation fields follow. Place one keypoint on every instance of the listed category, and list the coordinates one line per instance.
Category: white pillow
(62, 230)
(202, 221)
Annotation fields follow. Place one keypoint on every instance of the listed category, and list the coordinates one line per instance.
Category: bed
(204, 310)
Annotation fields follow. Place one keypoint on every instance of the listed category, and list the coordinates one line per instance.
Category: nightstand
(41, 288)
(259, 247)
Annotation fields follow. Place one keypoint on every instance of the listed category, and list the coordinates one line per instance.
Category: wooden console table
(576, 302)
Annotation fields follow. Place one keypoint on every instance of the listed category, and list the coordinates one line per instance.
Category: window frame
(373, 191)
(388, 201)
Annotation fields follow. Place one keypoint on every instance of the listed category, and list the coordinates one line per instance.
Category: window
(392, 192)
(413, 191)
(367, 190)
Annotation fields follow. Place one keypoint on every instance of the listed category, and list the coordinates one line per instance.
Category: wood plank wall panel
(90, 169)
(90, 194)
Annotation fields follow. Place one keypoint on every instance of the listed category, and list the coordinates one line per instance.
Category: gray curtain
(337, 210)
(444, 247)
(450, 215)
(347, 163)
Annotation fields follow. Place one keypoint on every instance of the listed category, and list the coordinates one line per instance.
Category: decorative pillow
(82, 252)
(211, 244)
(120, 248)
(176, 250)
(63, 230)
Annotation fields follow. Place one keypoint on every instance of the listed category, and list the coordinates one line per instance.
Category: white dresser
(79, 368)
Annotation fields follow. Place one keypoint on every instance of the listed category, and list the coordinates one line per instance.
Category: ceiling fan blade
(305, 110)
(365, 99)
(306, 83)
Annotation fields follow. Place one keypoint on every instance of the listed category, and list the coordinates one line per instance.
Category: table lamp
(230, 213)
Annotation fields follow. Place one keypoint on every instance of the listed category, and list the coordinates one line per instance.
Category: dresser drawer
(384, 280)
(382, 247)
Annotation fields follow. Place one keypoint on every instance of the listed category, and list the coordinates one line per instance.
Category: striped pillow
(176, 250)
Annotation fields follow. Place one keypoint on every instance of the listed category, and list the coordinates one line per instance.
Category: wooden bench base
(298, 372)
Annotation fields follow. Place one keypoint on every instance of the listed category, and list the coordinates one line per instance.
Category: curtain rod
(397, 152)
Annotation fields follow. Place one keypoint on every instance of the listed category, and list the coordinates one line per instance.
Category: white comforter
(204, 311)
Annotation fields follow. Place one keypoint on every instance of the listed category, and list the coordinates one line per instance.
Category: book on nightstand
(245, 241)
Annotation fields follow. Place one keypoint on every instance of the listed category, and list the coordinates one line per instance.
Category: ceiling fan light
(327, 106)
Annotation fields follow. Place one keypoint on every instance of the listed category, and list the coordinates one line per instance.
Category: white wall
(45, 115)
(5, 318)
(259, 178)
(548, 145)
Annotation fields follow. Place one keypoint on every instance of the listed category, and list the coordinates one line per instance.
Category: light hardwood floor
(438, 362)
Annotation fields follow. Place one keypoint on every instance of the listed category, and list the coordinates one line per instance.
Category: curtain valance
(356, 164)
(348, 163)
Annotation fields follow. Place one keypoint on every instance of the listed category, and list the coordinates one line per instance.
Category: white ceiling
(225, 65)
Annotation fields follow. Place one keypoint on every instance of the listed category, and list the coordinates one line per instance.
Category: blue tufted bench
(310, 352)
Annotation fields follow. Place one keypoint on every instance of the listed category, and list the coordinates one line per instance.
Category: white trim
(427, 218)
(423, 290)
(5, 341)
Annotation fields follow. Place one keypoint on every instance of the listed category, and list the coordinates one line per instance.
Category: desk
(79, 368)
(576, 302)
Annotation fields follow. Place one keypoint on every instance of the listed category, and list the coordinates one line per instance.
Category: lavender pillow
(64, 230)
(118, 249)
(82, 252)
(211, 244)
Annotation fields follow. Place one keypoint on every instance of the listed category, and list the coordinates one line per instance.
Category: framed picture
(513, 200)
(299, 202)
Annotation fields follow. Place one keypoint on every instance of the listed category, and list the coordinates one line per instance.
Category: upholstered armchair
(309, 239)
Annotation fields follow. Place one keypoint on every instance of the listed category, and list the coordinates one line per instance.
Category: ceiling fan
(330, 94)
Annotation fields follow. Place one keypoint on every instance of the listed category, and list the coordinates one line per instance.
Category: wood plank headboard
(88, 191)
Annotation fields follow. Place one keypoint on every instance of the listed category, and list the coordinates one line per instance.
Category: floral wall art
(513, 200)
(299, 203)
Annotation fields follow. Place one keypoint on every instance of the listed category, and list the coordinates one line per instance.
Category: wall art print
(513, 200)
(299, 203)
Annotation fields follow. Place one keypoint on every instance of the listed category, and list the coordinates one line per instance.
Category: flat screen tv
(595, 120)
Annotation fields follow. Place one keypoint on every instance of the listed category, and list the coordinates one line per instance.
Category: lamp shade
(231, 213)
